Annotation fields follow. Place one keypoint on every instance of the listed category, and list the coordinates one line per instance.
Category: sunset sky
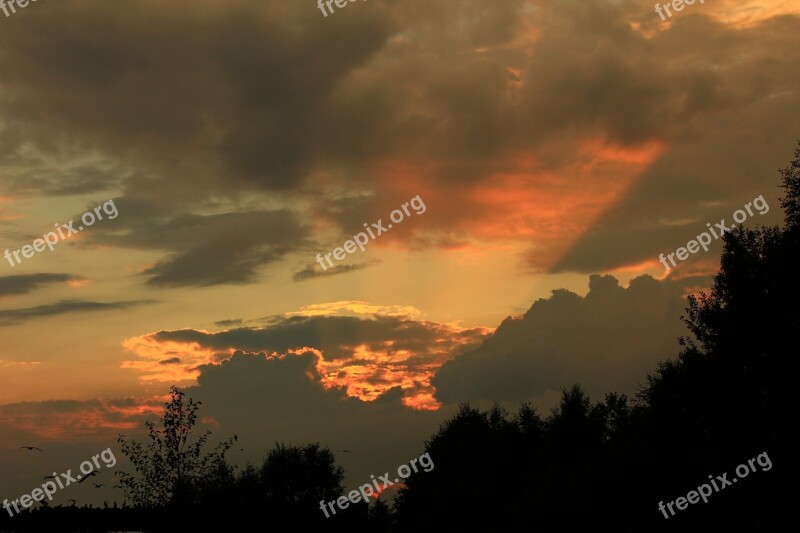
(559, 146)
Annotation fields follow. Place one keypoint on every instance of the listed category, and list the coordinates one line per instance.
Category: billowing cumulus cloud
(365, 356)
(606, 341)
(294, 406)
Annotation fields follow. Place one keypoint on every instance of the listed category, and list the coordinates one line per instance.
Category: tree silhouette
(380, 517)
(731, 392)
(171, 469)
(301, 475)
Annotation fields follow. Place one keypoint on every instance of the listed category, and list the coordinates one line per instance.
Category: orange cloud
(18, 364)
(547, 198)
(364, 370)
(169, 361)
(367, 374)
(71, 420)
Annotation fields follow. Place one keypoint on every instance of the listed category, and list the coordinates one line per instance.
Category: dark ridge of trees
(729, 396)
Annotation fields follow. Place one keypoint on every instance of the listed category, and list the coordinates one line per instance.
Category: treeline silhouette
(730, 395)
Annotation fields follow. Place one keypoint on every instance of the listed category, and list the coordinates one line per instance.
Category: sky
(546, 153)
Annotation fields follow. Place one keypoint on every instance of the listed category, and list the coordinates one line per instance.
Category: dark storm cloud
(240, 85)
(12, 285)
(222, 99)
(15, 316)
(607, 340)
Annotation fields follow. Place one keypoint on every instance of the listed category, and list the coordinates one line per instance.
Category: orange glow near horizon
(85, 420)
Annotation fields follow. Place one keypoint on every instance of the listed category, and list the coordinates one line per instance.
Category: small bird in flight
(347, 451)
(98, 485)
(31, 448)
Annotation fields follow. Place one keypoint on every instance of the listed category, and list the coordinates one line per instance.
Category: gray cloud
(83, 179)
(694, 185)
(15, 316)
(334, 335)
(285, 391)
(23, 284)
(267, 96)
(205, 249)
(608, 340)
(268, 85)
(229, 323)
(315, 271)
(365, 356)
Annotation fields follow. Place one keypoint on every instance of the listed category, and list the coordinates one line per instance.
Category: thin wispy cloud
(64, 307)
(23, 284)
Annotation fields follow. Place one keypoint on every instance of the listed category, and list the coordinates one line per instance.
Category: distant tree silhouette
(574, 423)
(301, 475)
(248, 488)
(172, 468)
(380, 517)
(496, 471)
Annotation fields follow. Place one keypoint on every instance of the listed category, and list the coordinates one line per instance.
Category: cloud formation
(77, 420)
(23, 284)
(314, 271)
(606, 341)
(527, 115)
(16, 316)
(365, 355)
